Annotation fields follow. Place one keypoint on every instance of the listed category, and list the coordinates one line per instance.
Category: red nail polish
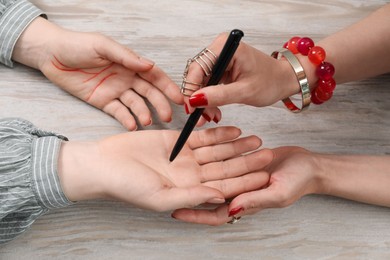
(206, 117)
(149, 123)
(186, 108)
(235, 211)
(216, 120)
(198, 100)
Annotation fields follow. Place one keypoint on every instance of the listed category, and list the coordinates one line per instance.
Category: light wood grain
(356, 120)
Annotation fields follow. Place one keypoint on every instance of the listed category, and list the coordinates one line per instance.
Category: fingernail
(235, 211)
(216, 120)
(146, 61)
(198, 100)
(206, 116)
(186, 108)
(216, 200)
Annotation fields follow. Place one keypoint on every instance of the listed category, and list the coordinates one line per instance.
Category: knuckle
(222, 37)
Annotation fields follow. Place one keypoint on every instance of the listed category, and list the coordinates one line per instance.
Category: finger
(198, 98)
(155, 97)
(118, 53)
(137, 106)
(121, 113)
(195, 78)
(210, 114)
(220, 152)
(174, 198)
(232, 187)
(214, 112)
(213, 136)
(213, 217)
(200, 69)
(159, 79)
(217, 114)
(197, 75)
(235, 167)
(201, 122)
(220, 95)
(255, 201)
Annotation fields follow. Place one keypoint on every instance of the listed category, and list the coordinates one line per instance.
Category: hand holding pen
(252, 78)
(205, 61)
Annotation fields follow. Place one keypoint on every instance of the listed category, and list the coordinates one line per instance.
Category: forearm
(77, 164)
(361, 50)
(357, 52)
(360, 178)
(31, 49)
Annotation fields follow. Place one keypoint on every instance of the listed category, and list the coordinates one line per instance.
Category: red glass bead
(304, 45)
(314, 99)
(322, 95)
(285, 45)
(316, 55)
(292, 44)
(327, 85)
(325, 71)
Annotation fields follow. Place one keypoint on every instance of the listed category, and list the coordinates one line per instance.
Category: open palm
(110, 76)
(210, 167)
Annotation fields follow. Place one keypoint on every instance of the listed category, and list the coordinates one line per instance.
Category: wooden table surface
(356, 120)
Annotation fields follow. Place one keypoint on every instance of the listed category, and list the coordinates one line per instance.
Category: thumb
(118, 53)
(255, 201)
(218, 95)
(176, 198)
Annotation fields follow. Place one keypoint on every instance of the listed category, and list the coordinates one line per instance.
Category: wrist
(330, 173)
(290, 84)
(32, 47)
(321, 76)
(289, 78)
(317, 183)
(78, 171)
(310, 71)
(321, 171)
(309, 169)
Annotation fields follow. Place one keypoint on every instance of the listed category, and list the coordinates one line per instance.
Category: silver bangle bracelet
(301, 77)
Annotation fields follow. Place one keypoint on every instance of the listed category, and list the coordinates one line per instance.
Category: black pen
(226, 55)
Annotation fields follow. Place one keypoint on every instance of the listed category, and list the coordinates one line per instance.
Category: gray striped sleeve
(15, 16)
(29, 185)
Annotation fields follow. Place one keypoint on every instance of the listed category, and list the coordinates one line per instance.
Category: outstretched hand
(99, 71)
(292, 175)
(134, 167)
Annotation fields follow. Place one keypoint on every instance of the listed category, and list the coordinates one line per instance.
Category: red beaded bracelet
(324, 71)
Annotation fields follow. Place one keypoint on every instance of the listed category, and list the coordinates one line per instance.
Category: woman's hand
(252, 78)
(134, 167)
(296, 172)
(292, 175)
(99, 71)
